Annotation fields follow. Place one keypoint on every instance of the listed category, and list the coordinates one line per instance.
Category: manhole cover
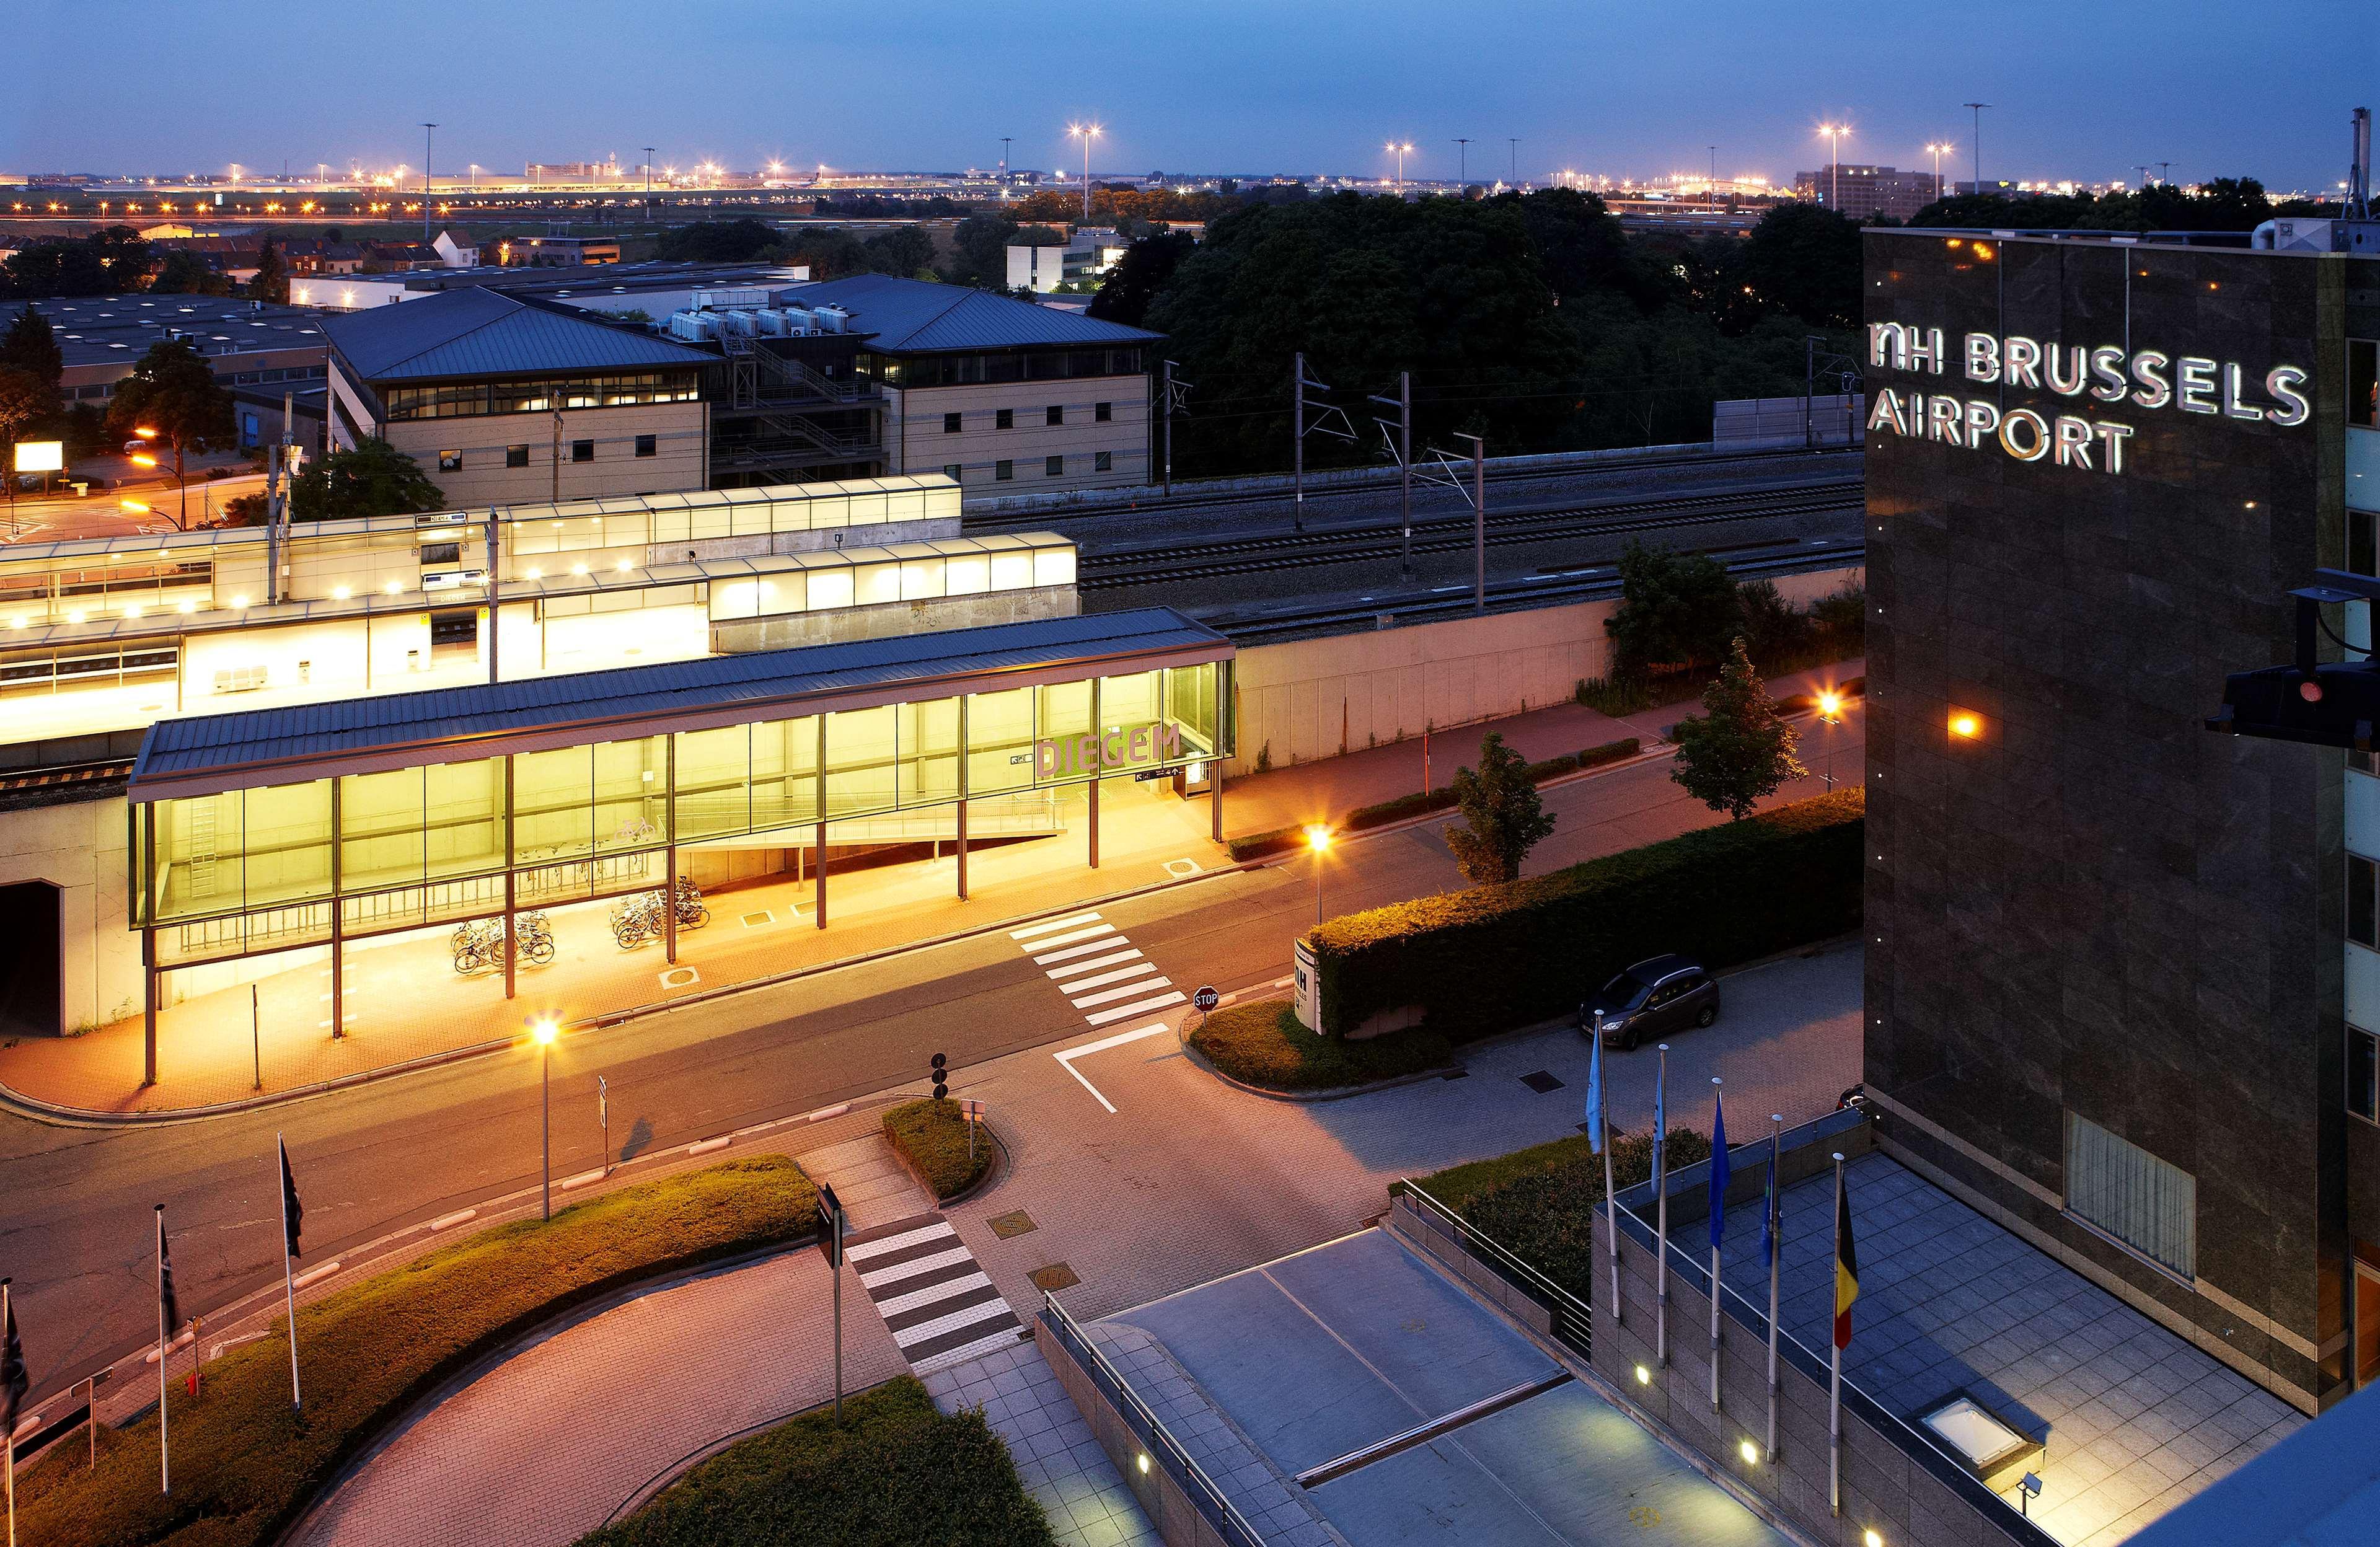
(1541, 1081)
(1182, 869)
(1054, 1277)
(680, 977)
(1009, 1226)
(754, 920)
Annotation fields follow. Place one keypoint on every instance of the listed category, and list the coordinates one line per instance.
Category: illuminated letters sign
(2107, 374)
(1067, 756)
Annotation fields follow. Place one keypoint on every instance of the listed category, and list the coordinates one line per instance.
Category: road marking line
(874, 1249)
(1066, 1059)
(1108, 996)
(896, 1304)
(1032, 930)
(1137, 970)
(1160, 1002)
(1080, 950)
(1091, 933)
(1076, 968)
(991, 1309)
(902, 1271)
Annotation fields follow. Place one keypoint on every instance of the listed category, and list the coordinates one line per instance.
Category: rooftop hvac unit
(695, 327)
(721, 300)
(734, 324)
(832, 319)
(776, 324)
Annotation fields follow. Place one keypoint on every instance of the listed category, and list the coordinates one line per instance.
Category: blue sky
(2082, 88)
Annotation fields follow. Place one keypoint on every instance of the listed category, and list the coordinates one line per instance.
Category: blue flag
(1718, 1170)
(1594, 1099)
(1769, 1212)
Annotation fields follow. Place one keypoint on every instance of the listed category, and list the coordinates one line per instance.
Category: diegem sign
(2106, 373)
(1065, 756)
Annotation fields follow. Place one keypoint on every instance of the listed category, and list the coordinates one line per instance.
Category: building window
(2364, 762)
(516, 457)
(1003, 470)
(2360, 551)
(2361, 916)
(2364, 1074)
(2364, 383)
(2120, 1188)
(647, 446)
(1005, 419)
(1054, 467)
(1102, 412)
(450, 461)
(950, 424)
(951, 472)
(582, 451)
(1103, 461)
(1056, 413)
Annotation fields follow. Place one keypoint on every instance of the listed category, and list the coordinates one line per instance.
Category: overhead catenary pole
(1297, 436)
(427, 131)
(1977, 107)
(1835, 1381)
(1661, 1204)
(1404, 469)
(496, 630)
(1478, 523)
(1169, 424)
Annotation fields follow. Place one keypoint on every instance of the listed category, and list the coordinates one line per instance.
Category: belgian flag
(1846, 1264)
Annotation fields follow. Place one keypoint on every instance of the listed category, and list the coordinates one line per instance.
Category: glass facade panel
(1190, 704)
(199, 855)
(784, 773)
(1065, 710)
(714, 781)
(999, 741)
(380, 830)
(631, 794)
(288, 849)
(463, 813)
(553, 812)
(859, 753)
(928, 751)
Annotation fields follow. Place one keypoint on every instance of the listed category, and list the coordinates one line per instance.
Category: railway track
(1112, 570)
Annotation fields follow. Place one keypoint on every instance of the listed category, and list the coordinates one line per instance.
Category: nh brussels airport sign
(2100, 378)
(1062, 757)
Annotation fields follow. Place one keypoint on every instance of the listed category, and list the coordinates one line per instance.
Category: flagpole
(1835, 1386)
(1661, 1190)
(1611, 1199)
(1776, 1249)
(164, 1466)
(289, 1275)
(7, 1330)
(1718, 1164)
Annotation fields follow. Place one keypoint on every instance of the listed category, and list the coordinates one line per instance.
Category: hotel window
(1102, 412)
(649, 445)
(2361, 554)
(2120, 1188)
(1103, 461)
(951, 472)
(2364, 383)
(450, 461)
(582, 451)
(516, 457)
(2361, 916)
(1054, 467)
(2364, 1074)
(1005, 419)
(950, 424)
(1003, 470)
(1056, 413)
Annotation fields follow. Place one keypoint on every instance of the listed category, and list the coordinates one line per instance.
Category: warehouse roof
(916, 316)
(117, 330)
(481, 333)
(214, 752)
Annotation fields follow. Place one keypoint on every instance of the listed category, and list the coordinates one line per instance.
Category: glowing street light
(1937, 147)
(1087, 133)
(1317, 838)
(1835, 134)
(1830, 713)
(542, 1031)
(1400, 149)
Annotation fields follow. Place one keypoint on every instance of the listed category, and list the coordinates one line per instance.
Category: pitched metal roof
(485, 333)
(914, 316)
(213, 752)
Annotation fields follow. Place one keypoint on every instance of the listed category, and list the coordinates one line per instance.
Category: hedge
(932, 1136)
(1493, 957)
(899, 1472)
(244, 1467)
(1262, 1044)
(1255, 846)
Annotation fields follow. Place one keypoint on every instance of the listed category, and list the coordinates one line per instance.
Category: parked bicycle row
(481, 945)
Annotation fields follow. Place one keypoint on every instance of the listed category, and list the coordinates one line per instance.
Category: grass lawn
(244, 1465)
(1540, 1202)
(899, 1473)
(933, 1137)
(1262, 1044)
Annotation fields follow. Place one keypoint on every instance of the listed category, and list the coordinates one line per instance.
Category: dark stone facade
(2094, 904)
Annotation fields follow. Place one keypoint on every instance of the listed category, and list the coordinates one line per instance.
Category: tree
(25, 401)
(173, 391)
(1502, 817)
(272, 280)
(1803, 260)
(185, 274)
(30, 344)
(828, 254)
(375, 479)
(980, 248)
(1126, 291)
(903, 250)
(717, 241)
(1773, 627)
(1675, 610)
(1738, 750)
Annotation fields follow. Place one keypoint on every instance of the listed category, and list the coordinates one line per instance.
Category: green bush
(1493, 957)
(1262, 1044)
(1255, 846)
(898, 1473)
(932, 1135)
(244, 1465)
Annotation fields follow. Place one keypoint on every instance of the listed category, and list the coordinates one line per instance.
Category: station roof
(479, 333)
(207, 754)
(913, 316)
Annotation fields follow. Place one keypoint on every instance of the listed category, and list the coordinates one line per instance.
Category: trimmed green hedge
(1493, 957)
(244, 1465)
(1255, 846)
(932, 1135)
(898, 1473)
(1262, 1044)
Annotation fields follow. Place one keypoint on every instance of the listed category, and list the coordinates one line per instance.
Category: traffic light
(942, 1079)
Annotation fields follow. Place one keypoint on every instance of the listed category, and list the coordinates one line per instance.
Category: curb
(993, 1174)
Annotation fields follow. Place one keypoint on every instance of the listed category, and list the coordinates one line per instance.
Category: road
(101, 514)
(76, 1236)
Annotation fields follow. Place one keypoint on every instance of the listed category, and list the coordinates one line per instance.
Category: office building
(1865, 192)
(2123, 975)
(247, 343)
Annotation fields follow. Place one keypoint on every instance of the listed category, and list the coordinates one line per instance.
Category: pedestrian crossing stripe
(937, 1301)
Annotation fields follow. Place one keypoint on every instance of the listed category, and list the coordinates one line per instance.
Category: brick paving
(2135, 1418)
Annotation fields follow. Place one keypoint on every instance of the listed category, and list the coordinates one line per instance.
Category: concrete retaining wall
(1168, 1507)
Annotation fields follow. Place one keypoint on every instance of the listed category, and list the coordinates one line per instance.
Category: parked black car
(1652, 999)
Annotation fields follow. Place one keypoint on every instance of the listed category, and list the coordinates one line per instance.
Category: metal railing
(1204, 1495)
(1574, 1319)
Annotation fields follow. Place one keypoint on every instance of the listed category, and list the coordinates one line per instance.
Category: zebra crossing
(938, 1304)
(1099, 971)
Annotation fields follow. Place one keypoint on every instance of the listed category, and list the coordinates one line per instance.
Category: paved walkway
(1057, 1458)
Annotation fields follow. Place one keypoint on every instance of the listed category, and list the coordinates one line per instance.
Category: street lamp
(1835, 134)
(542, 1031)
(1830, 713)
(1402, 149)
(427, 130)
(1317, 838)
(1938, 148)
(1087, 132)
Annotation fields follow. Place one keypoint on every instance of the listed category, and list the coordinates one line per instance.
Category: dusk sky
(2081, 88)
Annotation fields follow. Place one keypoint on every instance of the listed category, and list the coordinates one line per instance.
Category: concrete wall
(1320, 698)
(80, 848)
(680, 459)
(917, 442)
(1162, 1500)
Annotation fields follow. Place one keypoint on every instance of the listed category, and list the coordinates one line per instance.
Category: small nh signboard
(1308, 1000)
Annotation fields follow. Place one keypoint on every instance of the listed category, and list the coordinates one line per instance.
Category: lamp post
(1317, 838)
(1834, 135)
(1710, 188)
(1403, 148)
(1086, 132)
(1461, 165)
(1830, 713)
(427, 130)
(1938, 148)
(1978, 108)
(542, 1031)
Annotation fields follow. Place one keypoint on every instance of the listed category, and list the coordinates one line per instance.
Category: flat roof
(117, 330)
(913, 316)
(207, 754)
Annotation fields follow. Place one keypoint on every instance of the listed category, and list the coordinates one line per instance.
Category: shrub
(932, 1136)
(899, 1471)
(1255, 846)
(1262, 1044)
(244, 1465)
(1492, 958)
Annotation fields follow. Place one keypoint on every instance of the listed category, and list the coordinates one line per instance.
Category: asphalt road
(77, 1230)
